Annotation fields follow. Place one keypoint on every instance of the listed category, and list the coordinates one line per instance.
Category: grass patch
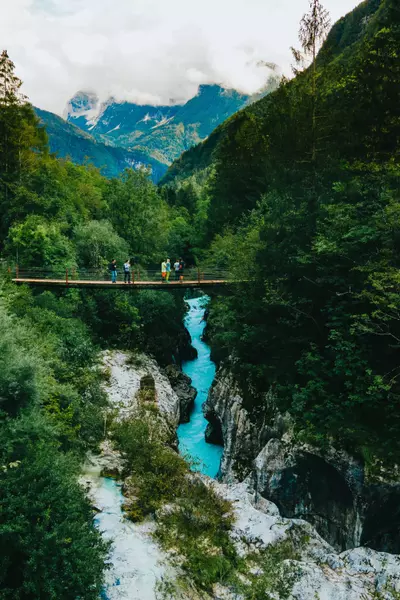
(269, 576)
(135, 359)
(154, 469)
(193, 522)
(197, 529)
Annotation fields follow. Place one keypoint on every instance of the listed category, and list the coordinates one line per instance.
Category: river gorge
(201, 370)
(137, 564)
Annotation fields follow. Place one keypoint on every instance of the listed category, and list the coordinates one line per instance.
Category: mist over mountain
(66, 140)
(116, 135)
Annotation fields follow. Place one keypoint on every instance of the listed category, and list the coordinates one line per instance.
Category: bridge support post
(66, 276)
(198, 275)
(133, 276)
(16, 271)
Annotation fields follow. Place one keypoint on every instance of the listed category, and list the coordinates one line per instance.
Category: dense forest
(56, 215)
(296, 195)
(300, 194)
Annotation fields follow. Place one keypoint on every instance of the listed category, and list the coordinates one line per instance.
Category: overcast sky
(148, 51)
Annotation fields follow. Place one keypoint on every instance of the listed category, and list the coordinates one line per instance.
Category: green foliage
(40, 243)
(197, 526)
(150, 321)
(195, 522)
(273, 578)
(162, 333)
(306, 214)
(49, 359)
(138, 214)
(97, 244)
(18, 366)
(156, 471)
(58, 215)
(49, 547)
(51, 409)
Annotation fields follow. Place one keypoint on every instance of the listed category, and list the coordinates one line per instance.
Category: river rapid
(201, 370)
(136, 563)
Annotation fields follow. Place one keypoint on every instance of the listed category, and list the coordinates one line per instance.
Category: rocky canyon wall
(326, 487)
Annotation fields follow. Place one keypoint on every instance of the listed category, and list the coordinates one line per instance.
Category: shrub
(49, 546)
(155, 469)
(19, 381)
(198, 528)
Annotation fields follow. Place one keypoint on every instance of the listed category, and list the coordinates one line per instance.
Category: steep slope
(307, 210)
(115, 135)
(118, 123)
(68, 140)
(161, 133)
(346, 33)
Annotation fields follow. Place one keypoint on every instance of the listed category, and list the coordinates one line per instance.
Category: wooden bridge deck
(88, 283)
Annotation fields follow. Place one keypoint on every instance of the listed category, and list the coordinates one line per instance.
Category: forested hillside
(57, 215)
(68, 141)
(301, 193)
(298, 197)
(114, 136)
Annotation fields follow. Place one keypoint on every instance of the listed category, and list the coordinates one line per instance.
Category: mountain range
(115, 135)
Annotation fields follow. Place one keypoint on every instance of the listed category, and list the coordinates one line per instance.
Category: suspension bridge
(139, 278)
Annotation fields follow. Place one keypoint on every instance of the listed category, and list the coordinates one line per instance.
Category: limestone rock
(328, 487)
(181, 384)
(124, 383)
(320, 572)
(108, 463)
(185, 349)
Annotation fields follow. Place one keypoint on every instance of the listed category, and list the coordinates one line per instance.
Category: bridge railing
(138, 274)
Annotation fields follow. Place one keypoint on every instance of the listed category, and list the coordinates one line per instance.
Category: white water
(136, 563)
(202, 372)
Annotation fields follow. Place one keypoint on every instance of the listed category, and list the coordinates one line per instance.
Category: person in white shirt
(127, 271)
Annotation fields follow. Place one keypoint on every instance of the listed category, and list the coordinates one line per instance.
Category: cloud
(148, 50)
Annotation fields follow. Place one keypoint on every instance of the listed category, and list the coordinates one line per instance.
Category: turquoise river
(202, 372)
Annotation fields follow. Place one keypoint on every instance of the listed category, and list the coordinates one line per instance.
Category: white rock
(136, 562)
(125, 383)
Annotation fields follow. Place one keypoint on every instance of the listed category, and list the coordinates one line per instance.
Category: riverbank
(136, 563)
(256, 539)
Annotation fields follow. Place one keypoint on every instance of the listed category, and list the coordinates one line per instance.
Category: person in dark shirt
(113, 269)
(181, 269)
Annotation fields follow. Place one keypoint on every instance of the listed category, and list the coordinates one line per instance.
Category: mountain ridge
(67, 140)
(163, 132)
(117, 135)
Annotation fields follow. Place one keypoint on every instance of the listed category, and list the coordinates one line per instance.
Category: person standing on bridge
(163, 270)
(176, 268)
(181, 269)
(168, 265)
(127, 271)
(113, 269)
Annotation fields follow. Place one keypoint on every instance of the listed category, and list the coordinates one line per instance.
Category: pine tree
(314, 27)
(10, 84)
(19, 135)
